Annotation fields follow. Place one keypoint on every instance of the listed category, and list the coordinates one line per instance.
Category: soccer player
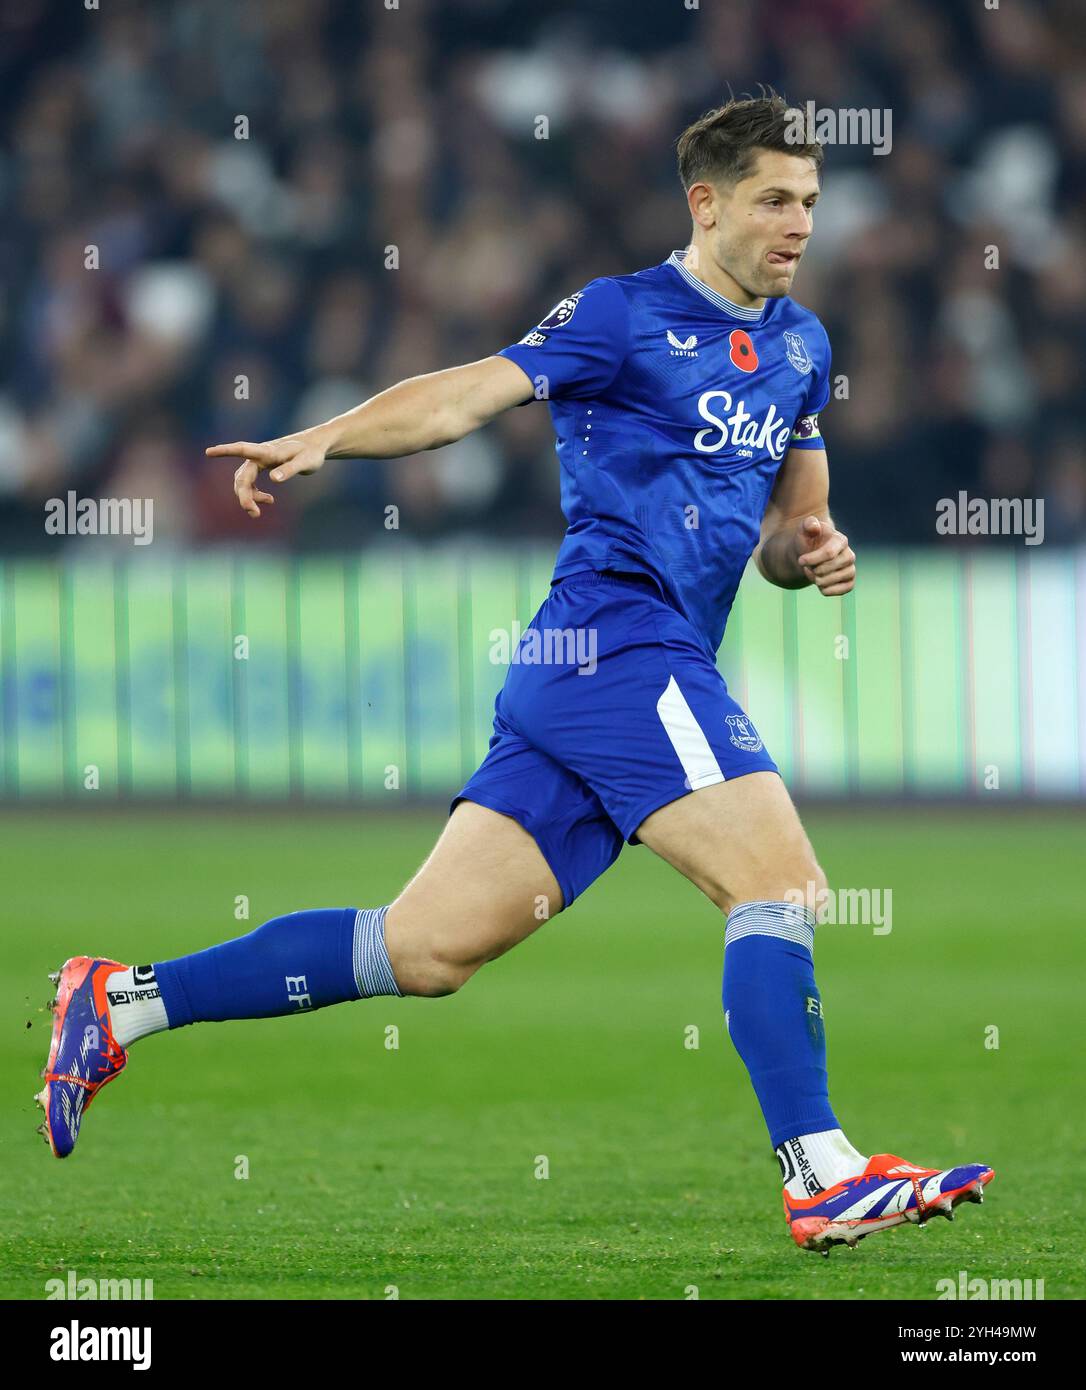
(685, 399)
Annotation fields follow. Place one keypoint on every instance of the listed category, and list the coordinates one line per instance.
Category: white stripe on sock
(372, 968)
(787, 921)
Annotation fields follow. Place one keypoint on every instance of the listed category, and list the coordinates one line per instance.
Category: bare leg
(738, 841)
(484, 888)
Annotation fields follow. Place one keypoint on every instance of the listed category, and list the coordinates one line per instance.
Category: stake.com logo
(740, 428)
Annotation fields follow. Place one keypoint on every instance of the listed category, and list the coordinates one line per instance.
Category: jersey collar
(735, 311)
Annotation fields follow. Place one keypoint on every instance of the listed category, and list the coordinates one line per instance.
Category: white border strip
(687, 738)
(747, 315)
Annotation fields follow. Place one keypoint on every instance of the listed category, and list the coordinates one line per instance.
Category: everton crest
(798, 355)
(743, 733)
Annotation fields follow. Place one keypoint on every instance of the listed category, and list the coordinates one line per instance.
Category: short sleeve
(806, 432)
(577, 350)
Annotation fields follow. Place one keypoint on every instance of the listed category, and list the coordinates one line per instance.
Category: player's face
(763, 223)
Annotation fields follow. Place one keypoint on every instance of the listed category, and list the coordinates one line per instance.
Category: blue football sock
(774, 1015)
(302, 961)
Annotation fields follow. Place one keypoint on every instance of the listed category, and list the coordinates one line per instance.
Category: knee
(425, 962)
(430, 973)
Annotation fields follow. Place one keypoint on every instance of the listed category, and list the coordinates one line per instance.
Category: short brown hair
(723, 144)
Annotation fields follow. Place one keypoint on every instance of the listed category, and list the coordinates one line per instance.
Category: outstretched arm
(423, 412)
(800, 544)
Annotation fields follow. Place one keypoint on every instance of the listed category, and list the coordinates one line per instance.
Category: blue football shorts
(611, 709)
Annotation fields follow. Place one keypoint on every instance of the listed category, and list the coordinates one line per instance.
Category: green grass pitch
(416, 1168)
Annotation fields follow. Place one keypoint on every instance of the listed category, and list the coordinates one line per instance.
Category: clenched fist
(825, 556)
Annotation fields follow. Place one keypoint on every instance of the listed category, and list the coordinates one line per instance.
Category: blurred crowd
(295, 203)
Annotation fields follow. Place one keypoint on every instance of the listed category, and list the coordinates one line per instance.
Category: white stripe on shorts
(689, 742)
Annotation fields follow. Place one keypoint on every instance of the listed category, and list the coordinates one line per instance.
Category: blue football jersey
(673, 410)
